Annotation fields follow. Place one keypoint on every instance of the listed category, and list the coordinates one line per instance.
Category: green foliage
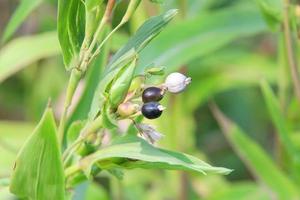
(27, 50)
(271, 10)
(23, 10)
(200, 36)
(256, 159)
(278, 120)
(94, 75)
(109, 75)
(70, 28)
(38, 172)
(224, 46)
(133, 152)
(150, 29)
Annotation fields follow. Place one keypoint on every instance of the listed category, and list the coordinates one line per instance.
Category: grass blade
(256, 159)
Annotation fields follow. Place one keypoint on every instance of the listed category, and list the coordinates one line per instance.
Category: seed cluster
(174, 83)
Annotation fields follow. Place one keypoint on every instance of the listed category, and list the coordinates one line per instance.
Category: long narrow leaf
(278, 120)
(23, 51)
(196, 37)
(133, 152)
(23, 10)
(256, 159)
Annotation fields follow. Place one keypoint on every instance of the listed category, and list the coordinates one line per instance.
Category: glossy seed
(152, 110)
(152, 94)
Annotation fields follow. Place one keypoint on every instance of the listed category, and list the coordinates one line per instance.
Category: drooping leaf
(23, 10)
(133, 152)
(23, 51)
(70, 26)
(256, 159)
(38, 172)
(185, 41)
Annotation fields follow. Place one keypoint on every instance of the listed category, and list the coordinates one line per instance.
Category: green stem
(290, 52)
(87, 54)
(103, 42)
(77, 73)
(71, 170)
(90, 128)
(72, 85)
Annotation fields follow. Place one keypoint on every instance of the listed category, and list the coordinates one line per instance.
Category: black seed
(152, 94)
(151, 110)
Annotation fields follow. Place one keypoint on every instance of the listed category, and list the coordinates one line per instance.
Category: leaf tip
(170, 14)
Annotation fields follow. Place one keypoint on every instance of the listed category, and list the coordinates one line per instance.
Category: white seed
(176, 82)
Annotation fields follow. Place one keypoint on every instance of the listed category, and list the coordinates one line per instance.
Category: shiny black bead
(152, 94)
(152, 110)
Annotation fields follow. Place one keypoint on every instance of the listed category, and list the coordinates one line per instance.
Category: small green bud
(156, 70)
(120, 87)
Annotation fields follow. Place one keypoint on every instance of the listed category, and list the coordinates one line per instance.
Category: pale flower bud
(149, 133)
(176, 82)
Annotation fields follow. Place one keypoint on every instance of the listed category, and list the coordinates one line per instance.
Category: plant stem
(77, 72)
(90, 128)
(290, 52)
(72, 85)
(86, 56)
(103, 42)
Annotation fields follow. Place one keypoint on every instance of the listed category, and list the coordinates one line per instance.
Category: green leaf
(279, 121)
(70, 26)
(150, 29)
(13, 135)
(271, 10)
(92, 4)
(110, 74)
(108, 118)
(23, 10)
(256, 159)
(38, 172)
(74, 131)
(23, 51)
(185, 41)
(240, 191)
(120, 86)
(282, 129)
(133, 152)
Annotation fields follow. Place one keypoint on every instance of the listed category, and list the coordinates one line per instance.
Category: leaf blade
(256, 159)
(21, 13)
(139, 154)
(28, 50)
(179, 43)
(33, 176)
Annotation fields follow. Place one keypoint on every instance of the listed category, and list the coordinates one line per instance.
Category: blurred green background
(236, 53)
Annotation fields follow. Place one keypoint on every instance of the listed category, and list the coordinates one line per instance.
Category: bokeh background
(228, 47)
